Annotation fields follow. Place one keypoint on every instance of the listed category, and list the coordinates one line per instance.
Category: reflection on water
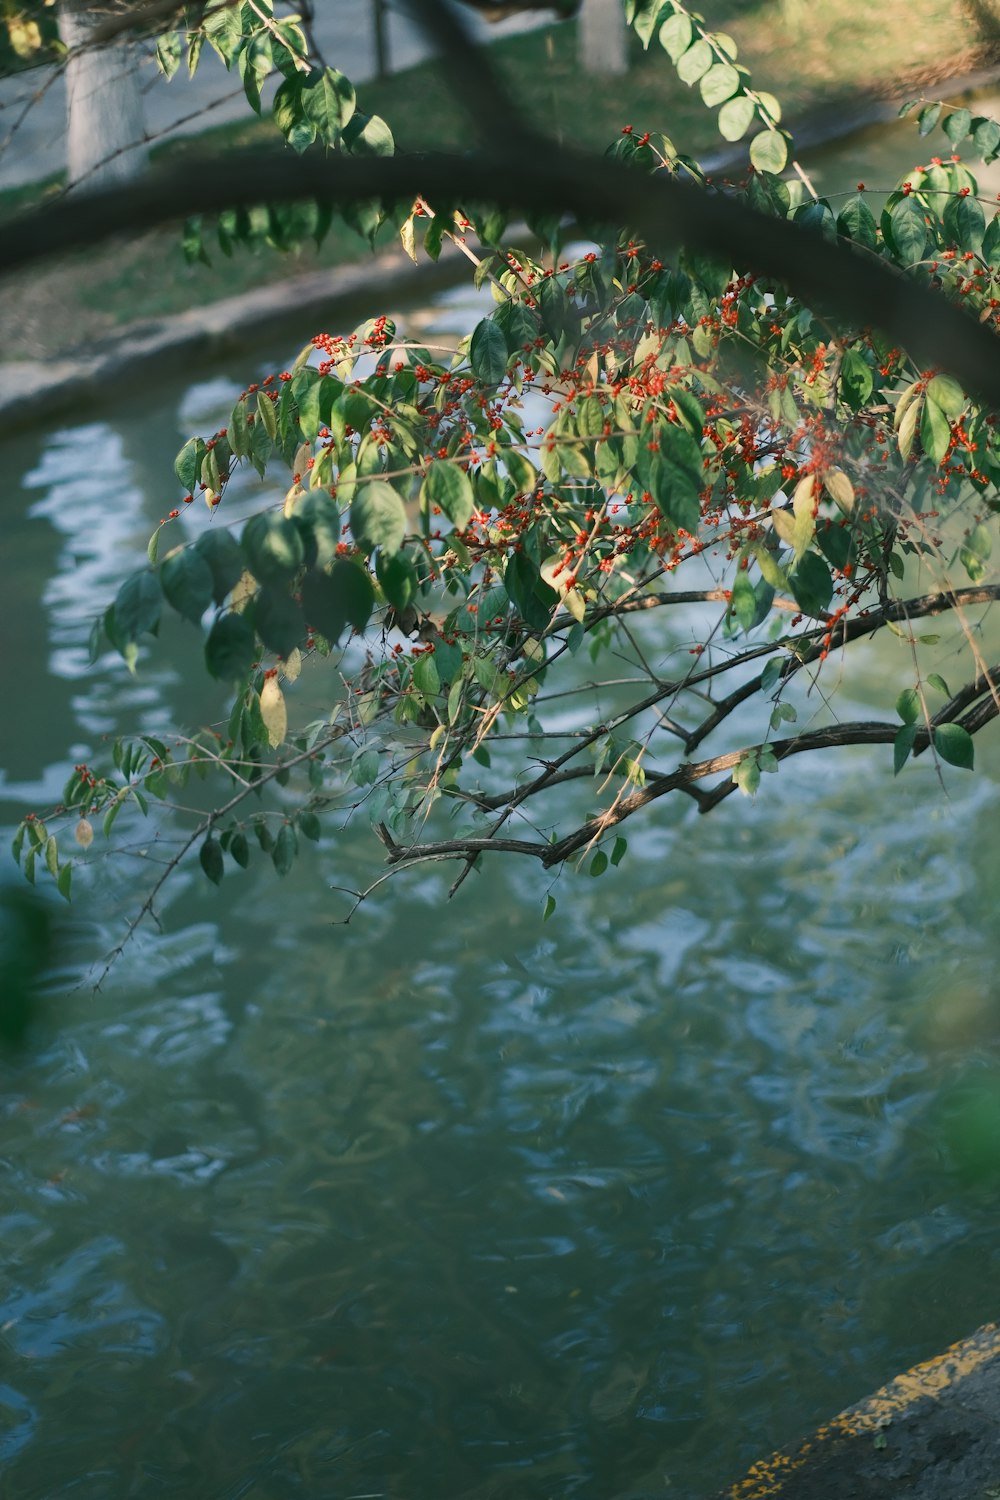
(446, 1203)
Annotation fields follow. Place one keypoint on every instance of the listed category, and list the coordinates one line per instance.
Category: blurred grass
(813, 56)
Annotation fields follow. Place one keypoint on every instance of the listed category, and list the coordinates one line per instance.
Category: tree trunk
(105, 135)
(603, 37)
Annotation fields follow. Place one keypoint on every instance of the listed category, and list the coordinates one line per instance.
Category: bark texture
(603, 37)
(105, 134)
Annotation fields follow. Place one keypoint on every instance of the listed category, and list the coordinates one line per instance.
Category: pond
(450, 1202)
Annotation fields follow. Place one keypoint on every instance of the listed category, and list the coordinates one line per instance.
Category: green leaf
(746, 773)
(957, 126)
(153, 547)
(488, 352)
(986, 135)
(935, 431)
(736, 117)
(523, 474)
(548, 908)
(426, 679)
(137, 608)
(289, 115)
(964, 222)
(368, 135)
(169, 50)
(769, 151)
(908, 705)
(857, 222)
(909, 232)
(856, 379)
(812, 585)
(448, 487)
(991, 241)
(619, 851)
(111, 815)
(975, 552)
(187, 583)
(675, 38)
(328, 101)
(310, 826)
(948, 394)
(240, 436)
(676, 492)
(266, 415)
(695, 62)
(692, 415)
(398, 579)
(770, 674)
(231, 648)
(901, 747)
(378, 516)
(278, 620)
(210, 857)
(240, 850)
(64, 881)
(908, 427)
(928, 118)
(344, 596)
(192, 242)
(187, 464)
(221, 551)
(286, 847)
(719, 84)
(272, 546)
(770, 569)
(954, 745)
(307, 398)
(319, 513)
(255, 63)
(365, 767)
(531, 596)
(743, 601)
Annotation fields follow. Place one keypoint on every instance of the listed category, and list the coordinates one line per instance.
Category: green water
(447, 1202)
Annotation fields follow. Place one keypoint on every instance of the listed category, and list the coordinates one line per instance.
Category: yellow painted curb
(930, 1381)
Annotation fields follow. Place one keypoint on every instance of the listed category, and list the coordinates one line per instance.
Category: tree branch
(473, 77)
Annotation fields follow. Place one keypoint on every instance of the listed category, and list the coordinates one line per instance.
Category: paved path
(344, 33)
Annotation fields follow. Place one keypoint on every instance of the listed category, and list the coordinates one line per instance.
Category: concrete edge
(932, 1431)
(34, 390)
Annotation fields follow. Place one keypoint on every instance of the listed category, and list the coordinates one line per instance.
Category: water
(448, 1202)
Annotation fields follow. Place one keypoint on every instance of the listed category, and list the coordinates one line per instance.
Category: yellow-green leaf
(274, 712)
(769, 151)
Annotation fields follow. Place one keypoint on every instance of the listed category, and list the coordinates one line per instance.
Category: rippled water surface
(448, 1203)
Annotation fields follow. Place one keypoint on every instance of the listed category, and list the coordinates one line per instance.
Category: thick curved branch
(860, 732)
(473, 77)
(986, 682)
(665, 211)
(810, 644)
(686, 777)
